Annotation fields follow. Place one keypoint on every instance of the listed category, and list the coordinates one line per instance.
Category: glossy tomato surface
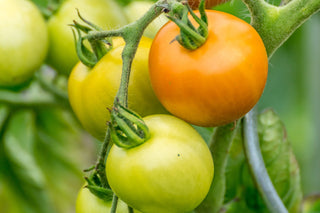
(23, 41)
(92, 92)
(215, 84)
(62, 55)
(170, 173)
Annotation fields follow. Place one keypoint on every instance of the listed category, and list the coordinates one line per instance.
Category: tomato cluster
(215, 84)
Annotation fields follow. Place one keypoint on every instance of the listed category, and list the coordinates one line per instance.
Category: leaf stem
(256, 164)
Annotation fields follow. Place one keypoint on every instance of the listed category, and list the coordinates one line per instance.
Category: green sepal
(87, 57)
(98, 47)
(127, 127)
(101, 192)
(190, 37)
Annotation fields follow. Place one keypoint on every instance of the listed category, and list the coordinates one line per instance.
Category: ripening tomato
(23, 41)
(92, 92)
(194, 4)
(170, 173)
(218, 82)
(104, 13)
(89, 203)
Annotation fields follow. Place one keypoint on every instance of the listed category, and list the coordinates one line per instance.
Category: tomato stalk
(275, 24)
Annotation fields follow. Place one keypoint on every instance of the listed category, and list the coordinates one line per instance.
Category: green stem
(219, 146)
(276, 24)
(257, 167)
(100, 165)
(132, 34)
(114, 204)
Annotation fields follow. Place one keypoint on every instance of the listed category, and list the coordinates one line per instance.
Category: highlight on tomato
(23, 41)
(92, 91)
(62, 55)
(218, 82)
(171, 172)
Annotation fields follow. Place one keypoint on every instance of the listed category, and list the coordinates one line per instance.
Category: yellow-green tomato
(23, 41)
(104, 13)
(170, 173)
(137, 8)
(92, 91)
(89, 203)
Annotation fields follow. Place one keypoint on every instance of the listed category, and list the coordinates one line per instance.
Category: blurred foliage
(41, 153)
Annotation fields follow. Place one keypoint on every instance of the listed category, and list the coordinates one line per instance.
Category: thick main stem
(276, 24)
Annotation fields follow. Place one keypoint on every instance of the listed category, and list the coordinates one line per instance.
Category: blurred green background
(293, 91)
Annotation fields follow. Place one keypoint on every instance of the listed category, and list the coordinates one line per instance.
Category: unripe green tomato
(170, 173)
(89, 203)
(104, 13)
(137, 8)
(23, 41)
(92, 91)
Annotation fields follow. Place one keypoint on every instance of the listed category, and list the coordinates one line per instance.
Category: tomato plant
(23, 41)
(194, 4)
(88, 202)
(62, 55)
(92, 92)
(170, 172)
(218, 82)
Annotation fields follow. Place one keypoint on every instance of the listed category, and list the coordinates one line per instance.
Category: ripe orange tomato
(215, 84)
(194, 4)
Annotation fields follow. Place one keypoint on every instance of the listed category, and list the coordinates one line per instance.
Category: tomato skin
(62, 55)
(170, 173)
(88, 202)
(23, 41)
(215, 84)
(194, 4)
(92, 92)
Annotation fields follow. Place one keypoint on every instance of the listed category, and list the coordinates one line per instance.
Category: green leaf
(22, 171)
(280, 163)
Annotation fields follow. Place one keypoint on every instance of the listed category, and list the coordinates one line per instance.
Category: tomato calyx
(190, 37)
(94, 186)
(99, 48)
(127, 128)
